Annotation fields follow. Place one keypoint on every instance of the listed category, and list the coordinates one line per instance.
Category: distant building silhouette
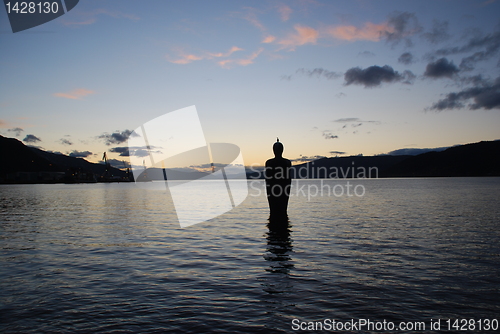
(278, 182)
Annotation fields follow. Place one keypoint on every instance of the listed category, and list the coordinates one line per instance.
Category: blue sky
(328, 77)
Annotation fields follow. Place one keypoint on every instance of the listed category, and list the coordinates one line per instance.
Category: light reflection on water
(112, 257)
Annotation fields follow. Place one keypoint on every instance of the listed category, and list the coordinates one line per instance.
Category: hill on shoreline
(24, 164)
(475, 159)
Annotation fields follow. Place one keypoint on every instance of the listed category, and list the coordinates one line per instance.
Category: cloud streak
(483, 46)
(485, 95)
(327, 134)
(404, 25)
(439, 32)
(251, 17)
(226, 61)
(16, 131)
(65, 141)
(138, 151)
(76, 94)
(369, 32)
(319, 72)
(241, 61)
(285, 12)
(305, 158)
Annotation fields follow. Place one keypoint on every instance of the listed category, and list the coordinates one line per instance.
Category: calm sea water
(111, 258)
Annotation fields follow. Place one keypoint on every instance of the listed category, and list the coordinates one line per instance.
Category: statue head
(278, 148)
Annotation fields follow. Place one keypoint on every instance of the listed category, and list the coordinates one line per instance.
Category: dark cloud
(124, 151)
(319, 72)
(137, 151)
(354, 120)
(468, 63)
(485, 47)
(347, 120)
(406, 58)
(441, 68)
(439, 32)
(404, 26)
(56, 152)
(367, 54)
(286, 77)
(206, 166)
(308, 159)
(79, 154)
(329, 135)
(31, 139)
(472, 80)
(116, 137)
(140, 153)
(484, 95)
(337, 152)
(65, 141)
(17, 131)
(490, 41)
(374, 76)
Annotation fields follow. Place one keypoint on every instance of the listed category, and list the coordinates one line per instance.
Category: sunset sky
(327, 77)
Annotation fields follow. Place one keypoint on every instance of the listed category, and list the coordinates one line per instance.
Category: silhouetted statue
(278, 183)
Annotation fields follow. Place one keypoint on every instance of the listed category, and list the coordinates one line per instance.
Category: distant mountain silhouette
(477, 159)
(16, 157)
(346, 167)
(23, 164)
(66, 162)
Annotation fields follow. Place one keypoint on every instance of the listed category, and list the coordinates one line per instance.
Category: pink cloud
(249, 60)
(252, 18)
(227, 54)
(269, 39)
(226, 63)
(189, 58)
(186, 59)
(303, 35)
(285, 12)
(75, 94)
(369, 32)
